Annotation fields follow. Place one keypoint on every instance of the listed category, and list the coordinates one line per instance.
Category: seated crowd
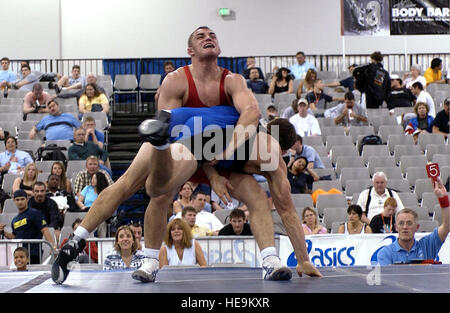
(196, 209)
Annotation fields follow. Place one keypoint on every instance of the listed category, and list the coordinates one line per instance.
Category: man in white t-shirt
(203, 218)
(378, 195)
(305, 124)
(423, 96)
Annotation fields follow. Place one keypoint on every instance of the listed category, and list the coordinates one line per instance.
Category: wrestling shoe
(273, 269)
(156, 131)
(148, 270)
(68, 253)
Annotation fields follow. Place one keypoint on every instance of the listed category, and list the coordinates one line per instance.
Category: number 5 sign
(433, 171)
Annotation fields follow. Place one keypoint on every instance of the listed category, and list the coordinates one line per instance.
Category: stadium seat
(385, 130)
(400, 150)
(335, 214)
(343, 150)
(395, 140)
(223, 215)
(426, 138)
(412, 160)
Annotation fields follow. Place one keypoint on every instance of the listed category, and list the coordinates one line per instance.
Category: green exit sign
(224, 11)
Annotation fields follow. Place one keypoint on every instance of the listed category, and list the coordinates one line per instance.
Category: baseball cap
(20, 193)
(302, 100)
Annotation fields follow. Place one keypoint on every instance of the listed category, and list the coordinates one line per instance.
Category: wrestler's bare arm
(172, 91)
(245, 103)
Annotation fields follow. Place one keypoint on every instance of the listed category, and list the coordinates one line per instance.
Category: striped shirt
(114, 261)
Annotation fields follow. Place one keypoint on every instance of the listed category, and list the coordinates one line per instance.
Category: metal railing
(7, 246)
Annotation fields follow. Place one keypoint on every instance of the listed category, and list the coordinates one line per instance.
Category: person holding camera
(36, 101)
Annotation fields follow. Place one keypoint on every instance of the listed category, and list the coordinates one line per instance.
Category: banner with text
(348, 250)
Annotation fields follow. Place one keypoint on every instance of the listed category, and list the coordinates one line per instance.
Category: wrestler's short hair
(287, 134)
(192, 34)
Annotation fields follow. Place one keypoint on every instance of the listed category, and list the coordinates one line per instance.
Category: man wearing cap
(28, 224)
(399, 96)
(305, 124)
(271, 114)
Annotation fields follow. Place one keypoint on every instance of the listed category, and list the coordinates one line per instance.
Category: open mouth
(208, 45)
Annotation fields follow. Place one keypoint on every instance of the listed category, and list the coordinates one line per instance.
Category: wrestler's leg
(267, 151)
(247, 190)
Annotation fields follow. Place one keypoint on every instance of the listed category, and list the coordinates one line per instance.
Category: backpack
(52, 153)
(370, 140)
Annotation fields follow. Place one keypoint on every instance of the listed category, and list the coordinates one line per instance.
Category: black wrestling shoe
(156, 131)
(68, 253)
(52, 85)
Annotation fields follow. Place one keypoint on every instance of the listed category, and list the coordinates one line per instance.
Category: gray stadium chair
(422, 185)
(399, 185)
(302, 200)
(381, 161)
(348, 161)
(343, 150)
(223, 215)
(331, 131)
(441, 159)
(374, 150)
(409, 199)
(415, 172)
(412, 160)
(313, 141)
(335, 227)
(331, 215)
(326, 171)
(349, 173)
(338, 140)
(400, 150)
(426, 138)
(9, 207)
(385, 130)
(70, 217)
(395, 140)
(330, 201)
(432, 149)
(353, 186)
(327, 185)
(8, 180)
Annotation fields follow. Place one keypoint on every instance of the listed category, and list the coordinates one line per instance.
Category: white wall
(159, 28)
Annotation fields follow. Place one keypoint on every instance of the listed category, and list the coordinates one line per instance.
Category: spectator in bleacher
(124, 255)
(237, 225)
(423, 96)
(373, 81)
(21, 259)
(92, 100)
(305, 124)
(354, 225)
(90, 192)
(136, 227)
(348, 82)
(406, 249)
(76, 81)
(300, 176)
(251, 64)
(83, 177)
(7, 77)
(169, 67)
(27, 181)
(300, 69)
(59, 170)
(422, 123)
(256, 83)
(48, 207)
(399, 96)
(348, 113)
(413, 76)
(203, 218)
(92, 134)
(282, 82)
(440, 123)
(317, 97)
(291, 110)
(64, 199)
(217, 204)
(29, 223)
(184, 197)
(433, 74)
(189, 215)
(179, 247)
(36, 101)
(12, 160)
(307, 84)
(89, 250)
(384, 223)
(311, 224)
(27, 80)
(372, 199)
(57, 125)
(77, 93)
(299, 149)
(81, 149)
(271, 113)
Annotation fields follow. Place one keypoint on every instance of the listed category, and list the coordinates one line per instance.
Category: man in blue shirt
(406, 249)
(299, 70)
(57, 125)
(6, 76)
(299, 149)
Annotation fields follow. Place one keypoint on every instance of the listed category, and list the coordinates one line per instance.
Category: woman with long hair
(92, 100)
(184, 198)
(311, 224)
(90, 192)
(281, 82)
(307, 84)
(27, 181)
(354, 225)
(59, 169)
(124, 255)
(179, 247)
